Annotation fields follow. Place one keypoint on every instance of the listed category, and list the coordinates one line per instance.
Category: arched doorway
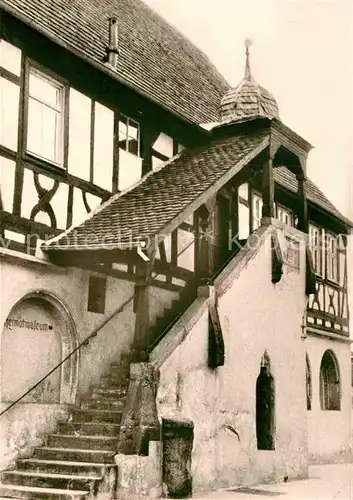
(38, 334)
(265, 406)
(330, 391)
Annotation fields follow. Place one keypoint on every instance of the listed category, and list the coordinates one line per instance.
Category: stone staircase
(77, 460)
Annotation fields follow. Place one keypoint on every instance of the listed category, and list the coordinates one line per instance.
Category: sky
(302, 52)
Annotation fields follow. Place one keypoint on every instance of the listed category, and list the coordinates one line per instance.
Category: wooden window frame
(316, 249)
(128, 120)
(286, 211)
(253, 196)
(48, 75)
(332, 270)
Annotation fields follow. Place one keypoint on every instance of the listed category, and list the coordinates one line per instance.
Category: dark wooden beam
(7, 153)
(42, 167)
(303, 218)
(91, 152)
(149, 135)
(234, 224)
(162, 252)
(310, 278)
(77, 258)
(116, 152)
(22, 136)
(268, 189)
(174, 249)
(204, 260)
(4, 73)
(28, 227)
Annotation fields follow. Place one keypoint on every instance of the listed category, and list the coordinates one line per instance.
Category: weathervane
(247, 75)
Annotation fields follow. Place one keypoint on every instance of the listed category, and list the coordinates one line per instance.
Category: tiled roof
(286, 178)
(154, 57)
(247, 100)
(145, 210)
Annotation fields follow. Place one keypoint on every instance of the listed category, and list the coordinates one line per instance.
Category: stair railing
(78, 347)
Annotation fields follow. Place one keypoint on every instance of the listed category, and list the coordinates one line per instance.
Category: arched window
(309, 394)
(330, 397)
(265, 406)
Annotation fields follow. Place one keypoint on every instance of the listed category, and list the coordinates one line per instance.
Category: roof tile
(146, 209)
(154, 57)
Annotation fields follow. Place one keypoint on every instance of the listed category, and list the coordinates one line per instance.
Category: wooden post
(116, 152)
(268, 189)
(204, 257)
(141, 334)
(303, 222)
(148, 138)
(142, 311)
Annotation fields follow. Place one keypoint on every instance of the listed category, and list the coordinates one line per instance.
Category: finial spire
(247, 75)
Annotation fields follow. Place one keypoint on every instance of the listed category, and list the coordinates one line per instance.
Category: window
(331, 254)
(96, 294)
(315, 248)
(45, 117)
(308, 385)
(284, 215)
(256, 211)
(129, 135)
(329, 382)
(130, 162)
(265, 406)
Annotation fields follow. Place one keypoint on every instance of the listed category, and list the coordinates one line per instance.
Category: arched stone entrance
(38, 334)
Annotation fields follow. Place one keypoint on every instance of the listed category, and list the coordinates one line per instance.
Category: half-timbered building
(174, 286)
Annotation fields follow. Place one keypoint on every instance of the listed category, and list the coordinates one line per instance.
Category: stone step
(109, 393)
(111, 382)
(73, 454)
(62, 467)
(33, 493)
(89, 428)
(86, 442)
(122, 367)
(93, 415)
(102, 404)
(50, 480)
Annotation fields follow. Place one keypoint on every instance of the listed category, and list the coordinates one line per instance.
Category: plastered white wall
(329, 432)
(256, 315)
(25, 423)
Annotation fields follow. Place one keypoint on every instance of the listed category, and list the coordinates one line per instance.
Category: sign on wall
(31, 347)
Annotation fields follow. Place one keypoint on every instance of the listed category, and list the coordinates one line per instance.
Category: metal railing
(77, 348)
(81, 344)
